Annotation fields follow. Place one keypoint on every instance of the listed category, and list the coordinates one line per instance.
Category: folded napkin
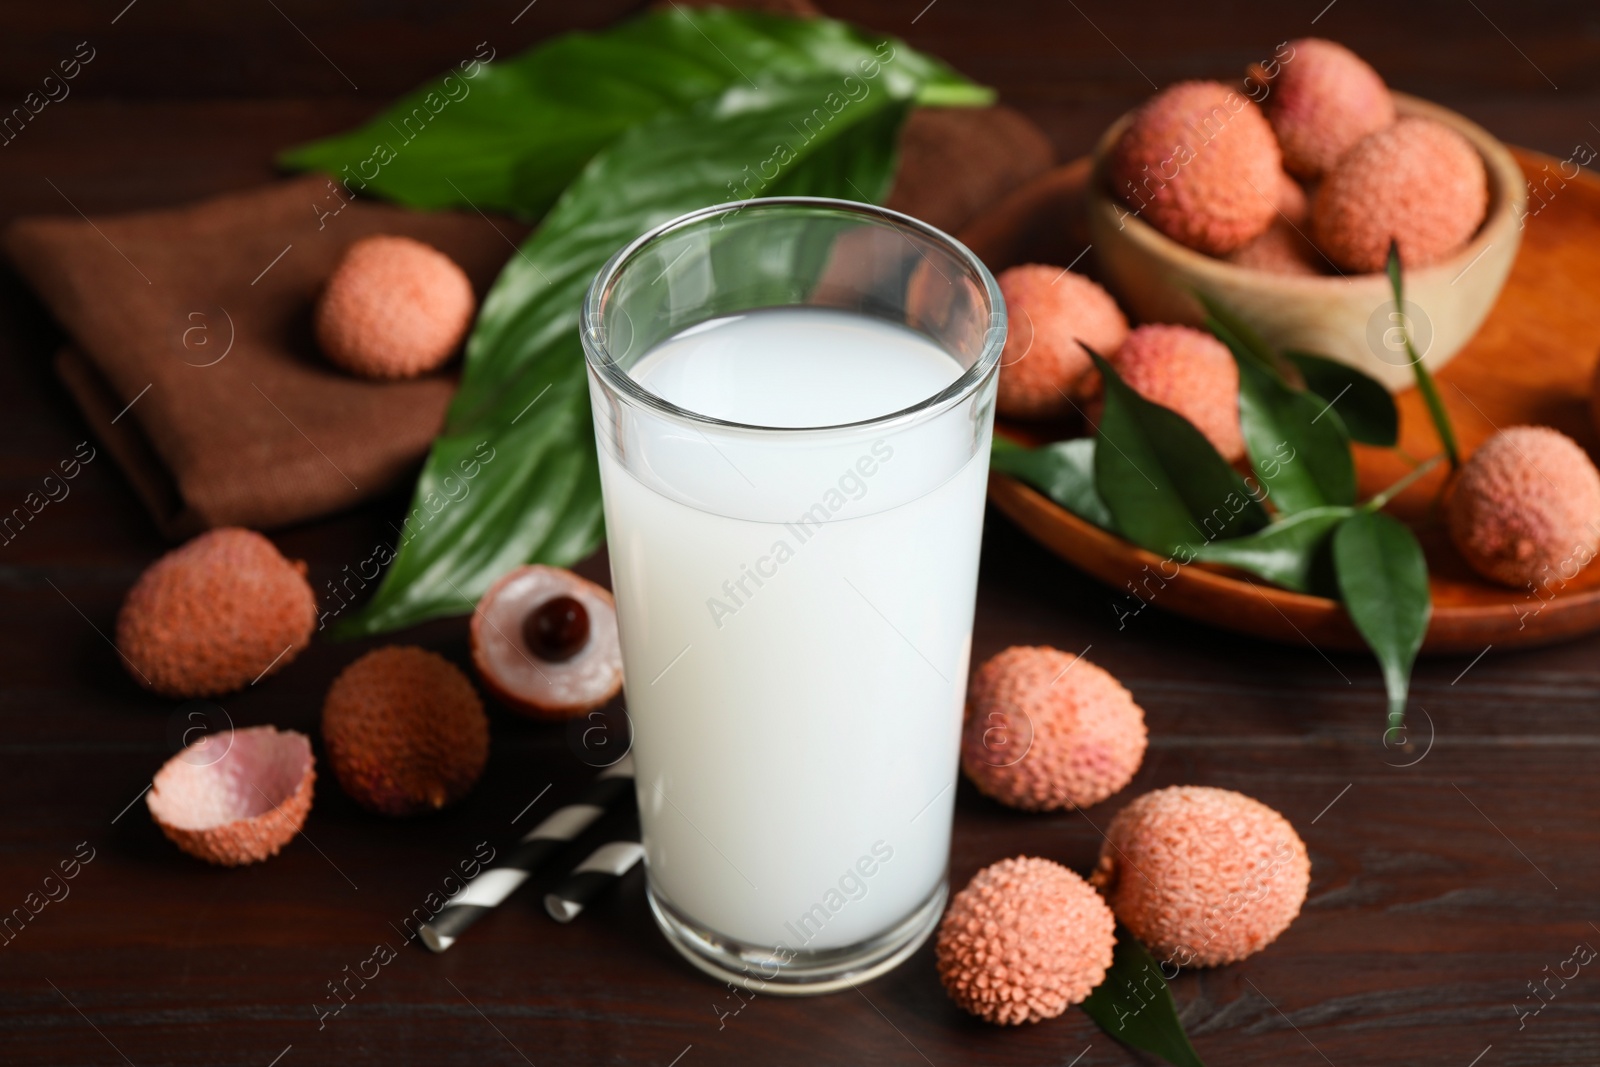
(191, 351)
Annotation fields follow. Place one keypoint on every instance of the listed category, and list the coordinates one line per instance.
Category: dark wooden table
(1448, 877)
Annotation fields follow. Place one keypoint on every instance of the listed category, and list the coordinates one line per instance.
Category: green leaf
(1425, 383)
(1383, 581)
(1134, 1005)
(523, 388)
(1366, 407)
(1297, 444)
(1292, 552)
(1163, 482)
(1062, 471)
(1237, 334)
(510, 135)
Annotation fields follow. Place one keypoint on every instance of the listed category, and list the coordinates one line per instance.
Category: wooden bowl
(1532, 361)
(1346, 317)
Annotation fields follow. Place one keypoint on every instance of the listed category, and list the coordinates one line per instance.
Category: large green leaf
(1164, 484)
(1292, 552)
(509, 135)
(1062, 471)
(1366, 407)
(523, 389)
(1134, 1005)
(1383, 579)
(1297, 444)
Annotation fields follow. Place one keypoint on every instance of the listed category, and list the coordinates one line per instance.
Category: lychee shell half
(516, 674)
(1024, 941)
(405, 731)
(214, 615)
(1047, 730)
(1202, 876)
(1525, 509)
(237, 796)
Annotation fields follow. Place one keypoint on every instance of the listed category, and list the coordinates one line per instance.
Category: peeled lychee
(394, 308)
(1189, 372)
(1202, 876)
(545, 642)
(1050, 311)
(1418, 182)
(1324, 100)
(235, 797)
(1199, 162)
(1525, 509)
(214, 615)
(1047, 730)
(1024, 941)
(405, 731)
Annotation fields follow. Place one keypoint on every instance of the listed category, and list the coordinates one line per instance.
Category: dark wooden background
(1440, 890)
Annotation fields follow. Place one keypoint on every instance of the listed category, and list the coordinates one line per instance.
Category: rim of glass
(599, 357)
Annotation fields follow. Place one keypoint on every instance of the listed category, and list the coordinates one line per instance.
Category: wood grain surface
(1448, 873)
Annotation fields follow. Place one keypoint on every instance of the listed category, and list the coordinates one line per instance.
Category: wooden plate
(1532, 362)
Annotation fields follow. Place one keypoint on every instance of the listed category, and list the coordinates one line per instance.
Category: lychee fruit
(1024, 941)
(1050, 310)
(545, 642)
(405, 731)
(1188, 371)
(1202, 876)
(215, 614)
(1199, 162)
(1047, 730)
(1281, 249)
(1324, 100)
(1525, 509)
(1417, 182)
(236, 796)
(393, 308)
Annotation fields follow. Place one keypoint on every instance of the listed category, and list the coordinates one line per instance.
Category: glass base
(805, 973)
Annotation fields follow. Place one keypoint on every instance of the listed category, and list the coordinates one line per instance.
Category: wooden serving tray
(1533, 361)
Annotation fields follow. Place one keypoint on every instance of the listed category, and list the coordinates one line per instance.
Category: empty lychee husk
(545, 642)
(240, 806)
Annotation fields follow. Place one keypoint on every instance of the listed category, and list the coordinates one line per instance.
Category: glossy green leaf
(509, 135)
(1424, 377)
(1134, 1005)
(1297, 444)
(1163, 482)
(1383, 581)
(1062, 471)
(1366, 407)
(1292, 552)
(523, 392)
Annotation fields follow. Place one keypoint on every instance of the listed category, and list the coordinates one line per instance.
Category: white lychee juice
(795, 576)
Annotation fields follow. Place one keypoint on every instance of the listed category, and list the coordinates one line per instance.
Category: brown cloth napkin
(264, 432)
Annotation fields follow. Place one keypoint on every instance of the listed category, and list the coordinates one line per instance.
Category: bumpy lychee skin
(405, 731)
(1525, 509)
(1050, 311)
(1202, 876)
(1417, 182)
(534, 680)
(394, 308)
(1280, 250)
(214, 615)
(1324, 100)
(1199, 163)
(1047, 730)
(1024, 941)
(235, 797)
(1188, 371)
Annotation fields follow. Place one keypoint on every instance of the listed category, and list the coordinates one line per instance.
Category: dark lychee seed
(557, 630)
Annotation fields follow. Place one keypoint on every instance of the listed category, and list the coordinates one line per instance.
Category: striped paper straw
(490, 888)
(603, 869)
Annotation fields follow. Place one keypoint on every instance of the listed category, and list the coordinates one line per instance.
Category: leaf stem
(1425, 383)
(1381, 500)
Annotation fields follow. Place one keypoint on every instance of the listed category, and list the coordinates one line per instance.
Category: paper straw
(603, 869)
(486, 892)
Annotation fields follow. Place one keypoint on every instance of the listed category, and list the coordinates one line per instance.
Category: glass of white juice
(792, 401)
